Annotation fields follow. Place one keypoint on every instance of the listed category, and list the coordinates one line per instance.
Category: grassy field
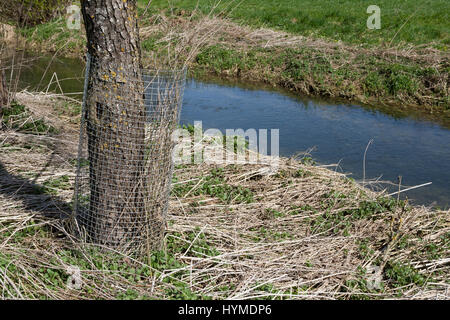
(367, 68)
(317, 48)
(402, 22)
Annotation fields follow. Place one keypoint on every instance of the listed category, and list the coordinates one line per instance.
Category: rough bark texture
(115, 123)
(3, 90)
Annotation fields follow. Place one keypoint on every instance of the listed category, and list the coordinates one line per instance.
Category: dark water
(407, 145)
(37, 74)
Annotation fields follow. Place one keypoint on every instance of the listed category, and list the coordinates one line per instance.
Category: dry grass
(271, 242)
(304, 235)
(239, 36)
(413, 76)
(331, 69)
(7, 33)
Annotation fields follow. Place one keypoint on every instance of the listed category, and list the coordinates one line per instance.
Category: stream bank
(399, 78)
(234, 232)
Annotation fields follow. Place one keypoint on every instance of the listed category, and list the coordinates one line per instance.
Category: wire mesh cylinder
(125, 164)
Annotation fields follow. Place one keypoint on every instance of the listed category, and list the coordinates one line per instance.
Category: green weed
(214, 185)
(17, 117)
(400, 274)
(52, 186)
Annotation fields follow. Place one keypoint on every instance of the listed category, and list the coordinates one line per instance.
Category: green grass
(18, 117)
(400, 274)
(363, 77)
(214, 185)
(69, 109)
(56, 31)
(406, 21)
(355, 74)
(264, 234)
(54, 185)
(341, 222)
(53, 277)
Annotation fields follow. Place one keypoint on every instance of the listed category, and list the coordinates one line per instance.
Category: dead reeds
(304, 232)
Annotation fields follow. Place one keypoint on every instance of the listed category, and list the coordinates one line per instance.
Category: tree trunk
(3, 91)
(115, 123)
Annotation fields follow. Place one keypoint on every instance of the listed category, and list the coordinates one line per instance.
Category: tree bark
(115, 123)
(3, 91)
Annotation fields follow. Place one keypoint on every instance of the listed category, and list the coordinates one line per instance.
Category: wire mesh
(125, 162)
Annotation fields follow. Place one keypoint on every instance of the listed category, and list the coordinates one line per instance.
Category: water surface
(339, 133)
(406, 144)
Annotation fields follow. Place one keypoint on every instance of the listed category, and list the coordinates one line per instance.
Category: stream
(408, 144)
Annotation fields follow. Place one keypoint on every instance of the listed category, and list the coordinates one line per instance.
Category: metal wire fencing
(125, 164)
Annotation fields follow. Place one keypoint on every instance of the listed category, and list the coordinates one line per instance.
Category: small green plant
(83, 162)
(220, 58)
(263, 233)
(340, 222)
(308, 161)
(190, 128)
(18, 117)
(364, 249)
(70, 109)
(51, 186)
(193, 243)
(302, 173)
(149, 44)
(274, 213)
(358, 286)
(400, 274)
(214, 185)
(373, 84)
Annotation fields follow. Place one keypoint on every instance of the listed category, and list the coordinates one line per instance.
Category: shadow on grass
(33, 196)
